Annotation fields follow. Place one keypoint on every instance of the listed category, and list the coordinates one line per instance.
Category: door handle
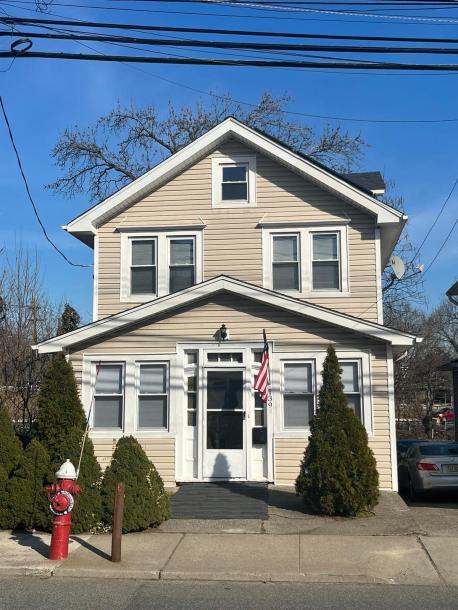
(244, 414)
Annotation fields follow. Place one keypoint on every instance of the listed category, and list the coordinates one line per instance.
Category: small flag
(262, 378)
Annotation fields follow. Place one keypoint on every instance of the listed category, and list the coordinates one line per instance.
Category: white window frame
(305, 232)
(162, 237)
(217, 177)
(299, 257)
(147, 295)
(138, 366)
(312, 362)
(171, 238)
(338, 260)
(93, 378)
(130, 362)
(191, 370)
(358, 363)
(318, 356)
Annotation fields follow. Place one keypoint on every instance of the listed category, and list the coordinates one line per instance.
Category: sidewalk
(413, 560)
(394, 547)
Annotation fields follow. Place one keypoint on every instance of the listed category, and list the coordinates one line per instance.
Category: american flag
(261, 381)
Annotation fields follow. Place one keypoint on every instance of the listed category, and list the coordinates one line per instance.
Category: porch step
(241, 500)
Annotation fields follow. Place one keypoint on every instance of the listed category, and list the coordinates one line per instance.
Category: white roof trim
(86, 222)
(123, 320)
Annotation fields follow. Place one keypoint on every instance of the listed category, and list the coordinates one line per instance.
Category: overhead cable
(29, 194)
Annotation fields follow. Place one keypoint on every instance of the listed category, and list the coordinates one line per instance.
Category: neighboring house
(235, 229)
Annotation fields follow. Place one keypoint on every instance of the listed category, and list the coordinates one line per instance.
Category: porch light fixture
(222, 332)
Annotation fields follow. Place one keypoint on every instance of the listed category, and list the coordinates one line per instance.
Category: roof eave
(123, 320)
(92, 218)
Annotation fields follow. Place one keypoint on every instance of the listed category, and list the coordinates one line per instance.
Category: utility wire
(449, 234)
(439, 214)
(217, 15)
(254, 46)
(340, 64)
(34, 207)
(228, 32)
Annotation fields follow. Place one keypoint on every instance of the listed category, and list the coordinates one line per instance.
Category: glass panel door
(225, 425)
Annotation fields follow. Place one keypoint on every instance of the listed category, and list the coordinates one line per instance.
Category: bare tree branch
(125, 143)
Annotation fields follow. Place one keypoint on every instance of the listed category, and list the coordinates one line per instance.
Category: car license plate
(450, 467)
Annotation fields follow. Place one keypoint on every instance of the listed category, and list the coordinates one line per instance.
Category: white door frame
(244, 458)
(248, 362)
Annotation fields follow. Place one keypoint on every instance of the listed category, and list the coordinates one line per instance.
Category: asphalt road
(81, 594)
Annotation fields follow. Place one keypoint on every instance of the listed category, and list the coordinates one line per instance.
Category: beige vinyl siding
(161, 451)
(245, 321)
(232, 237)
(288, 452)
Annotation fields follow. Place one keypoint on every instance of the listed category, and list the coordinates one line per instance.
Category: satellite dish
(398, 267)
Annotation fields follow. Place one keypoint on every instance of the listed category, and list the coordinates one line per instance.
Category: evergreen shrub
(26, 490)
(61, 423)
(338, 474)
(146, 503)
(11, 453)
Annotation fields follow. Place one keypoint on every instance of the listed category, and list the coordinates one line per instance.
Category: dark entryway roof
(369, 181)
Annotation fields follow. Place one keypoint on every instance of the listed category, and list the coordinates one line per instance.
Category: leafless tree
(399, 294)
(128, 141)
(417, 378)
(26, 317)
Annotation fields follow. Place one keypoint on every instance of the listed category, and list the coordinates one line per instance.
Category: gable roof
(167, 304)
(389, 220)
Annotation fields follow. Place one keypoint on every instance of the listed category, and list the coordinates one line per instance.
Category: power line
(211, 44)
(229, 32)
(439, 214)
(449, 234)
(217, 15)
(341, 64)
(34, 207)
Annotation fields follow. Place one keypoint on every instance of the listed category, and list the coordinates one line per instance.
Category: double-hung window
(159, 263)
(153, 396)
(305, 260)
(285, 262)
(182, 271)
(325, 261)
(298, 394)
(143, 268)
(234, 182)
(109, 396)
(351, 379)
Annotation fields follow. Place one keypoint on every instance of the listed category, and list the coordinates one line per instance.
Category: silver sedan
(428, 466)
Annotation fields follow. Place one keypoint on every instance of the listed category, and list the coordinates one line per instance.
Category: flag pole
(268, 361)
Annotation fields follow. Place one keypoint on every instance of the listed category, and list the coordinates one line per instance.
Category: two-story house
(234, 234)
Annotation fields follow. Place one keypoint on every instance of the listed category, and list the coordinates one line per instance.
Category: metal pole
(118, 515)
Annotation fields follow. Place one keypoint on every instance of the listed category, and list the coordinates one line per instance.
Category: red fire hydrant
(61, 502)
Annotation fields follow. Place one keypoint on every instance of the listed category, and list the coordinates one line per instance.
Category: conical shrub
(338, 474)
(26, 491)
(61, 423)
(11, 453)
(146, 503)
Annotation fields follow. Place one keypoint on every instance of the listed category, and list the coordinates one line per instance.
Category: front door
(224, 434)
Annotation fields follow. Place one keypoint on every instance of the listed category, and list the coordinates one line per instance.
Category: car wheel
(414, 495)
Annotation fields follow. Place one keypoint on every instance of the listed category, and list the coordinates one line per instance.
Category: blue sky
(43, 97)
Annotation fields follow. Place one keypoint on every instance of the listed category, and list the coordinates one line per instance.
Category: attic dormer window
(233, 182)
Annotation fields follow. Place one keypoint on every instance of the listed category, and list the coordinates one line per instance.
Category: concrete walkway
(399, 545)
(413, 560)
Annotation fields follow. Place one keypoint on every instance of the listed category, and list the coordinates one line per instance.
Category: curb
(155, 575)
(63, 572)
